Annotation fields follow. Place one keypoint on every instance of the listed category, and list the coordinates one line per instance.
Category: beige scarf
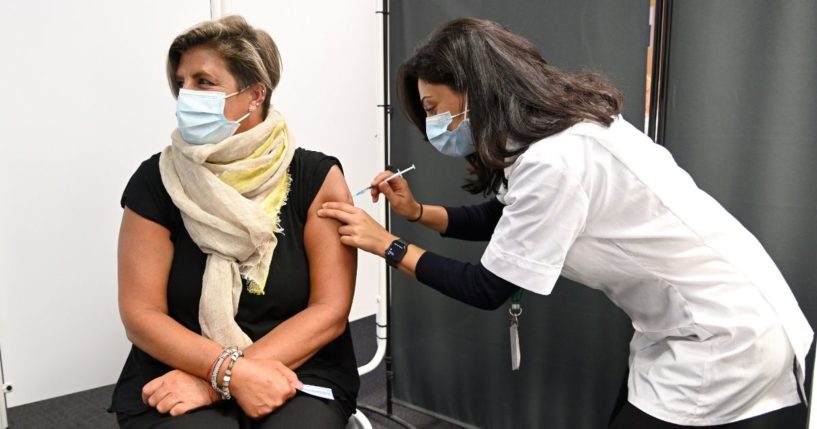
(230, 196)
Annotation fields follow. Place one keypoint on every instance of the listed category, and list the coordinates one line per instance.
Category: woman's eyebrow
(203, 74)
(197, 75)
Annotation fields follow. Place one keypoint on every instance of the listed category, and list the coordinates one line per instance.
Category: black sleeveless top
(286, 292)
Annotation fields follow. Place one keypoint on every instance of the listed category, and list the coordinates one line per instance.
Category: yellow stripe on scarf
(243, 180)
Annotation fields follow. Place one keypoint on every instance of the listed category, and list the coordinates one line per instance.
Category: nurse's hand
(398, 193)
(359, 229)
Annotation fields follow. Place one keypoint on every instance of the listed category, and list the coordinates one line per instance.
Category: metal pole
(660, 64)
(4, 421)
(215, 9)
(811, 420)
(387, 152)
(387, 160)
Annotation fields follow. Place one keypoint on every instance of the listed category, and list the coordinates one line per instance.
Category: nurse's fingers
(345, 213)
(387, 190)
(340, 215)
(380, 177)
(338, 205)
(375, 192)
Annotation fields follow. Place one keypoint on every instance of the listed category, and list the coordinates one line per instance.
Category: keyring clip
(515, 310)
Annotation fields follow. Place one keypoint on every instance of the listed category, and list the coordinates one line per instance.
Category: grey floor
(87, 409)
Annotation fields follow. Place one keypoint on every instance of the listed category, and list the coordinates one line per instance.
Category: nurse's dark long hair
(512, 92)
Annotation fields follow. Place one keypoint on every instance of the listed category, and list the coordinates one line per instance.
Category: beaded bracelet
(217, 366)
(225, 382)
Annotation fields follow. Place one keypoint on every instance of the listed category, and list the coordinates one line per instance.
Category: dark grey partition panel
(741, 118)
(455, 360)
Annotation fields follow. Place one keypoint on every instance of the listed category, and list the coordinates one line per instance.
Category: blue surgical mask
(458, 142)
(200, 116)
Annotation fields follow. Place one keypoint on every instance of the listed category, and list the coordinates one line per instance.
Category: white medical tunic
(717, 328)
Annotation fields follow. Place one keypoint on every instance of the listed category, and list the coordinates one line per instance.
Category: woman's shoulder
(308, 171)
(150, 165)
(309, 159)
(310, 165)
(146, 175)
(146, 194)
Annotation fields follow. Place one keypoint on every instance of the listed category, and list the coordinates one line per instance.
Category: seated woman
(231, 289)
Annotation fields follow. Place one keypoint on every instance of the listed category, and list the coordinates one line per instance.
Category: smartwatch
(396, 252)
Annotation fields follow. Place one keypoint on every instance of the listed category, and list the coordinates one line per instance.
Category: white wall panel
(330, 88)
(85, 101)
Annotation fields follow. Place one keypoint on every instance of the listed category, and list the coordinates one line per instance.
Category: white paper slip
(320, 392)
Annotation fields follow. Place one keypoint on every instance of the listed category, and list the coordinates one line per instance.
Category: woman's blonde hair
(250, 53)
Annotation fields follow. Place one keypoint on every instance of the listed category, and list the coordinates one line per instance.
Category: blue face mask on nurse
(457, 142)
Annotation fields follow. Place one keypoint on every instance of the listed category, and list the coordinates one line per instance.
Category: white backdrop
(85, 101)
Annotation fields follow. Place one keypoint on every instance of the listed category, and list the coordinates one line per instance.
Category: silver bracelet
(217, 366)
(225, 382)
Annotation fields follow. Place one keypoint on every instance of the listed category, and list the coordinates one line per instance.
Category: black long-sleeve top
(470, 283)
(473, 223)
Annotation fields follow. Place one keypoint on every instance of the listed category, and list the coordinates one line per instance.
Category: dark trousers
(301, 411)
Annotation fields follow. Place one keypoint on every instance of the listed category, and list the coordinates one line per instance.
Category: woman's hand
(178, 392)
(359, 229)
(398, 193)
(261, 386)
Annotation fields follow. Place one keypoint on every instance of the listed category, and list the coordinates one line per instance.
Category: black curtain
(454, 360)
(741, 117)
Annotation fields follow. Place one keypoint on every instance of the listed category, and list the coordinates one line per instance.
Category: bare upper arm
(145, 254)
(332, 265)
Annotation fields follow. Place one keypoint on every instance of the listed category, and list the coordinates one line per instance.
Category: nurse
(579, 192)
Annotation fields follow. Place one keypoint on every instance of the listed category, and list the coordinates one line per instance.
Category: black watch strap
(396, 252)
